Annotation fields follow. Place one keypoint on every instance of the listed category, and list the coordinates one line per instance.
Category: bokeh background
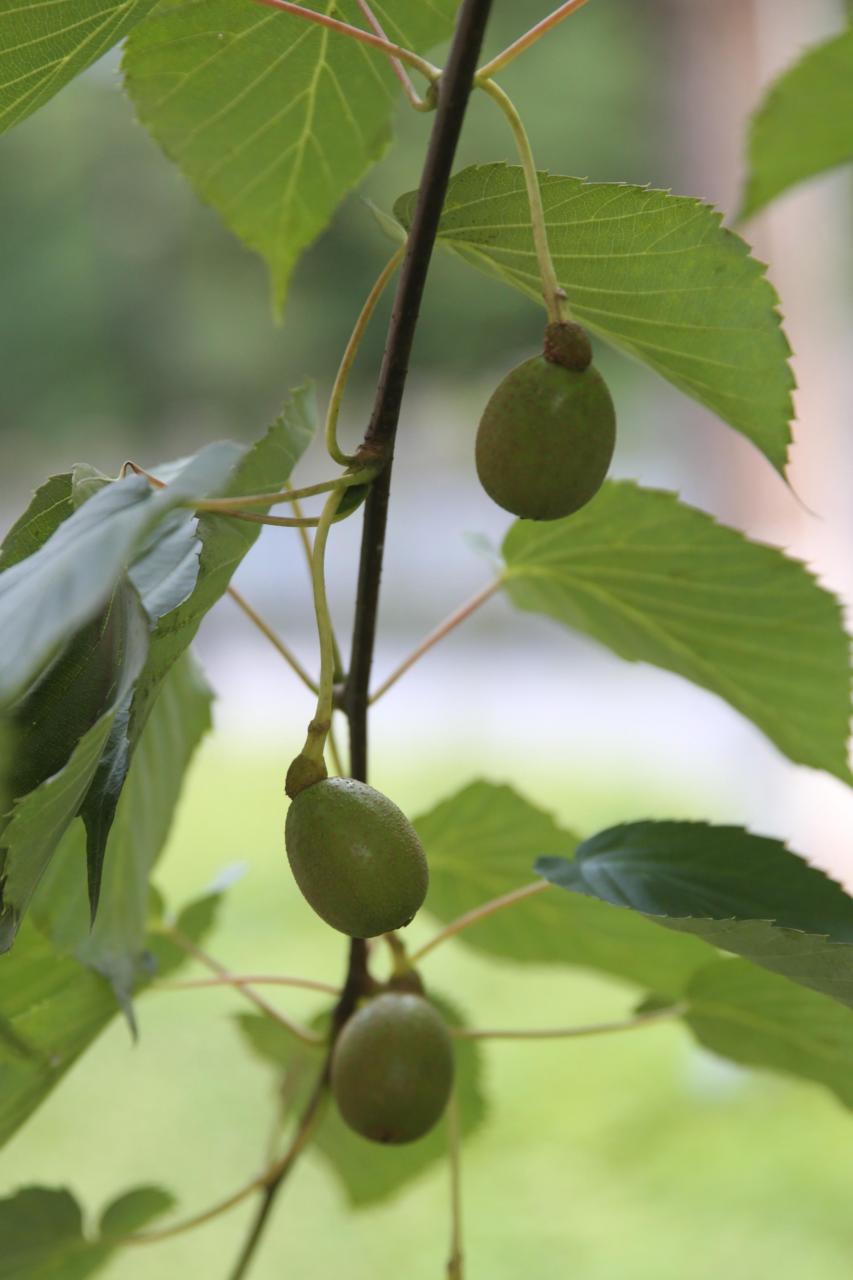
(133, 325)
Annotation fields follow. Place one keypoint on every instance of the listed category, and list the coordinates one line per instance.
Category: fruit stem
(305, 539)
(318, 729)
(332, 447)
(474, 917)
(552, 291)
(443, 629)
(187, 945)
(530, 37)
(567, 1033)
(426, 69)
(414, 98)
(266, 629)
(454, 1145)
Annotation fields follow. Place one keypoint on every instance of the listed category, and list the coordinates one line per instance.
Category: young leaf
(804, 125)
(739, 892)
(761, 1020)
(52, 1007)
(658, 581)
(271, 118)
(43, 46)
(368, 1173)
(480, 844)
(47, 597)
(655, 274)
(115, 945)
(43, 1236)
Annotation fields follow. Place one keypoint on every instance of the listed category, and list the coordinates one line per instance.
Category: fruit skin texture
(392, 1068)
(356, 857)
(546, 439)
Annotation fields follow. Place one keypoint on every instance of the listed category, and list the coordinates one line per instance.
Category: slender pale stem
(274, 640)
(570, 1033)
(415, 100)
(474, 917)
(305, 539)
(285, 495)
(252, 979)
(282, 522)
(274, 1175)
(318, 729)
(426, 69)
(348, 359)
(530, 37)
(454, 1143)
(186, 944)
(552, 292)
(443, 629)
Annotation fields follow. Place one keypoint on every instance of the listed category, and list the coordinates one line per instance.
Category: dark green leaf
(761, 1020)
(661, 582)
(47, 597)
(43, 46)
(271, 118)
(655, 274)
(481, 843)
(805, 124)
(369, 1173)
(51, 504)
(739, 892)
(42, 1233)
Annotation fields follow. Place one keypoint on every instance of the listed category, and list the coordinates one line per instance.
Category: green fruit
(546, 437)
(392, 1069)
(356, 857)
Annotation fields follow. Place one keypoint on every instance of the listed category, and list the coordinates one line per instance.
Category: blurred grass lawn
(621, 1158)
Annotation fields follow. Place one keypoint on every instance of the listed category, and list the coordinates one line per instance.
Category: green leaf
(116, 944)
(481, 843)
(739, 892)
(39, 818)
(761, 1020)
(43, 1236)
(47, 597)
(368, 1173)
(50, 505)
(271, 118)
(804, 125)
(52, 1007)
(43, 46)
(656, 275)
(661, 582)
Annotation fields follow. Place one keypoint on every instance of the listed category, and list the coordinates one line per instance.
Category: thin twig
(530, 37)
(454, 1143)
(426, 69)
(186, 944)
(474, 917)
(252, 979)
(569, 1033)
(415, 100)
(274, 640)
(443, 629)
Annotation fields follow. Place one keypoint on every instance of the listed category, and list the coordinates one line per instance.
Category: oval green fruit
(392, 1068)
(546, 439)
(356, 857)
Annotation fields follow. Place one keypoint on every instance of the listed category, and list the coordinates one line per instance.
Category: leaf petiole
(415, 100)
(530, 37)
(475, 916)
(568, 1033)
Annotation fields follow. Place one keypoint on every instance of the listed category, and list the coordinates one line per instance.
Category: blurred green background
(133, 325)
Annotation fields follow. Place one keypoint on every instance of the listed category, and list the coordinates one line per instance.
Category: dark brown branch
(454, 89)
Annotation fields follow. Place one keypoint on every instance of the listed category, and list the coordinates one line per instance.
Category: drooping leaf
(53, 1007)
(804, 125)
(43, 46)
(39, 818)
(656, 275)
(271, 118)
(367, 1172)
(762, 1020)
(658, 581)
(44, 1238)
(481, 844)
(115, 945)
(739, 892)
(47, 597)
